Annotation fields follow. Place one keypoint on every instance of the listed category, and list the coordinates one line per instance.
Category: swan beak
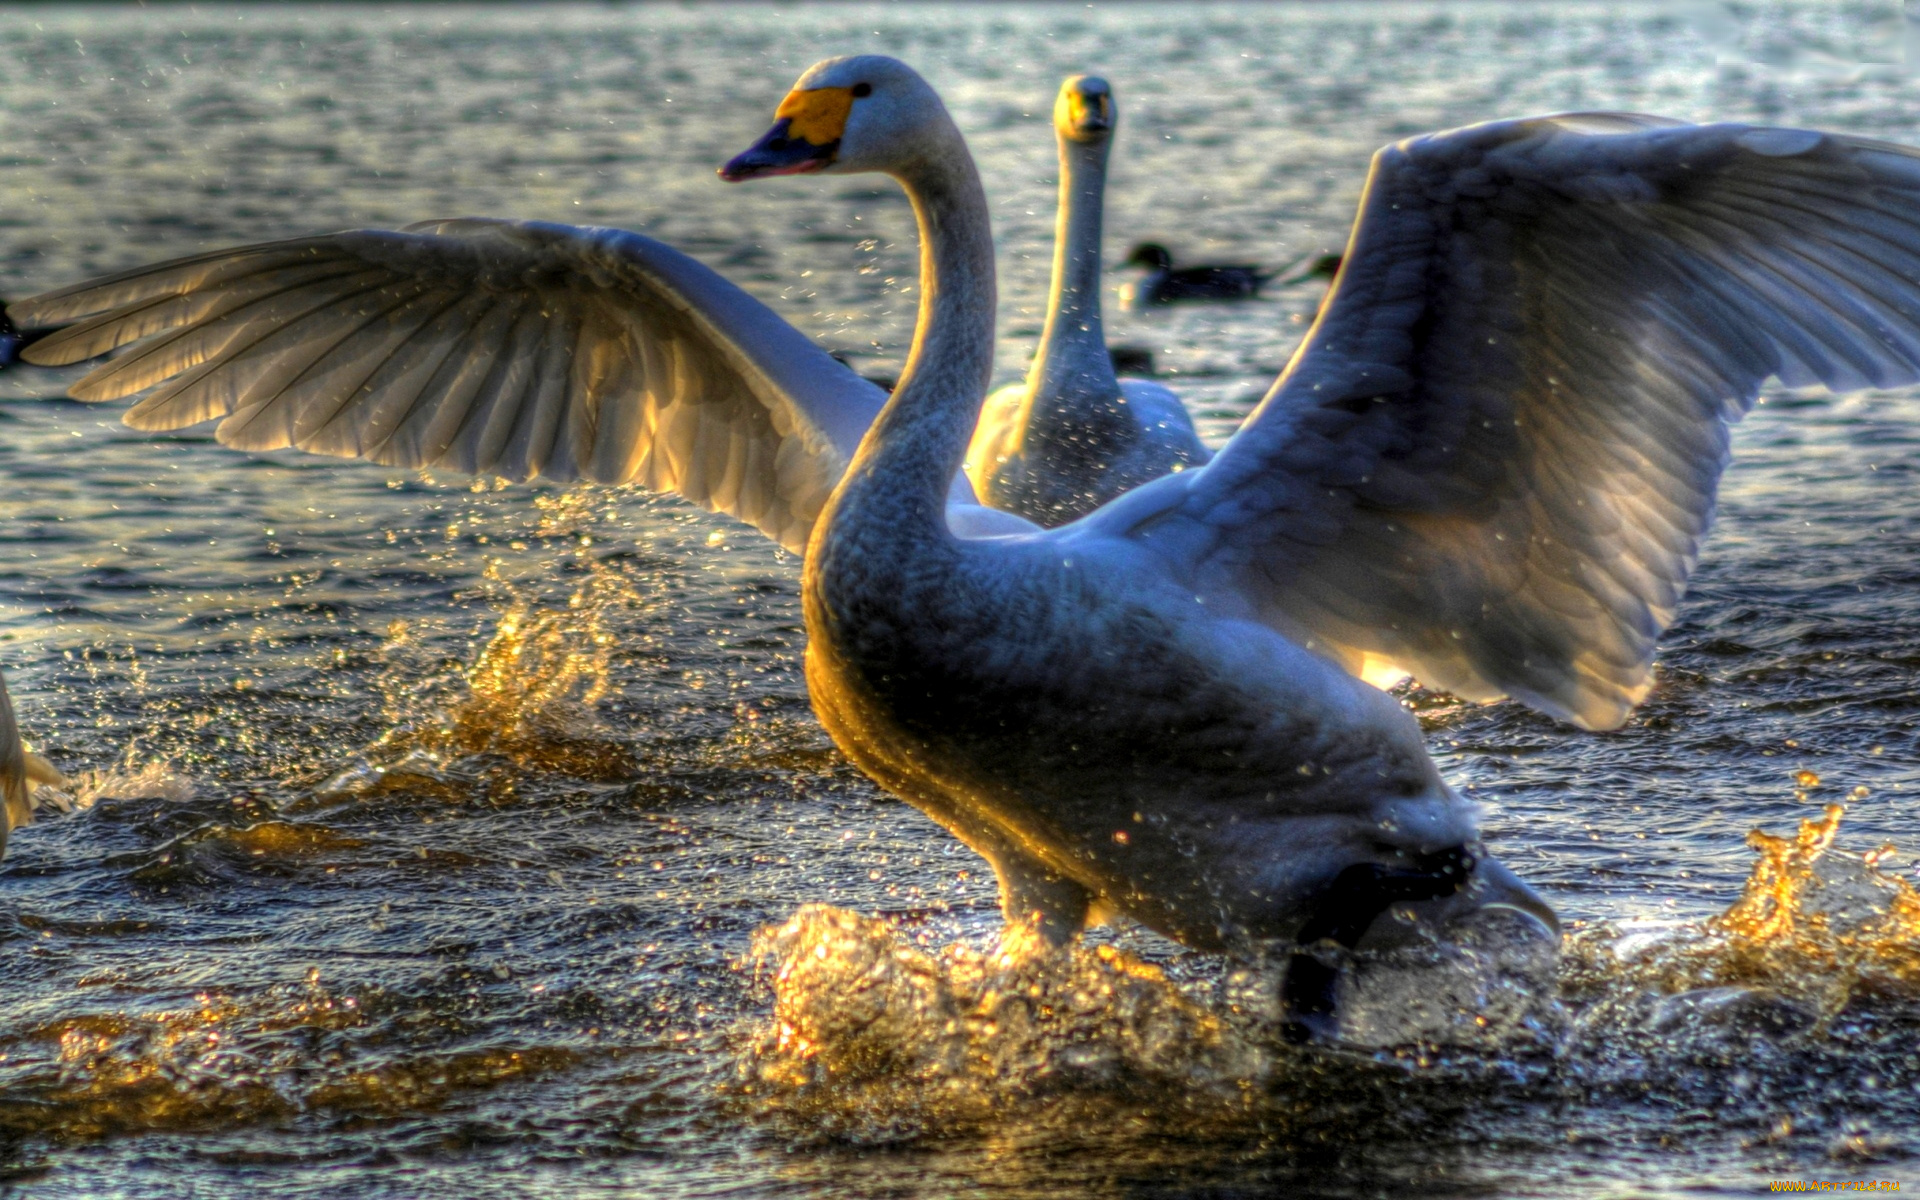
(1088, 108)
(805, 136)
(1496, 886)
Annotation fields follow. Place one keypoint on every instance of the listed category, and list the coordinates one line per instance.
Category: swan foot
(1357, 898)
(1052, 906)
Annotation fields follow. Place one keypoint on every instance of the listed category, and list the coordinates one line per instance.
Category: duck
(1324, 266)
(1073, 435)
(1164, 283)
(1491, 464)
(14, 339)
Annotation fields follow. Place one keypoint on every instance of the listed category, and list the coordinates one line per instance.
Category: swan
(1073, 435)
(1491, 463)
(20, 772)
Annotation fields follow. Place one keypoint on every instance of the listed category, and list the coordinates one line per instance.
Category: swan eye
(862, 90)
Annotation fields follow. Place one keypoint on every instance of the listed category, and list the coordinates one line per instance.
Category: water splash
(527, 696)
(220, 1059)
(134, 777)
(874, 1037)
(531, 690)
(1816, 928)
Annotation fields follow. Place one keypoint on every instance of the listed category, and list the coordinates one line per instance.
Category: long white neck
(899, 478)
(1072, 357)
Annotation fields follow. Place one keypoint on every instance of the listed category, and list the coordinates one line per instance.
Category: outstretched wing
(506, 348)
(1493, 460)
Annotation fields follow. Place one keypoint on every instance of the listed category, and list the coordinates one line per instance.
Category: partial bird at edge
(20, 772)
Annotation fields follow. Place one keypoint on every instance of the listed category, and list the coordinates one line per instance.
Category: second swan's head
(863, 113)
(1084, 111)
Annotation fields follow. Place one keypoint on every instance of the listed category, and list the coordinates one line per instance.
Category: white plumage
(20, 772)
(1072, 435)
(494, 347)
(1491, 463)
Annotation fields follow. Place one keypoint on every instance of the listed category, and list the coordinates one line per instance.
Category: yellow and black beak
(1090, 113)
(1083, 110)
(805, 136)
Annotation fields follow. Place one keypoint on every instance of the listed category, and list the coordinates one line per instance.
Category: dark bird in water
(1319, 266)
(1131, 360)
(1164, 284)
(13, 340)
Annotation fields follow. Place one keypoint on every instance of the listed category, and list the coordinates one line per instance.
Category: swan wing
(509, 348)
(1492, 462)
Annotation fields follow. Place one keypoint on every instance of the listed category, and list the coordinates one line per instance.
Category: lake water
(426, 828)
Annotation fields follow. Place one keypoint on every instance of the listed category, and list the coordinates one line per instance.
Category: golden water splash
(223, 1060)
(1817, 925)
(528, 696)
(1813, 920)
(531, 691)
(871, 1030)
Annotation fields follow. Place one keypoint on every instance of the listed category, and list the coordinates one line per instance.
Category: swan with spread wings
(1491, 463)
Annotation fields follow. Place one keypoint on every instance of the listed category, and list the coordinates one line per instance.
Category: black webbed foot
(1357, 898)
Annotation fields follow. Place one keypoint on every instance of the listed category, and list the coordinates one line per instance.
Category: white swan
(1491, 463)
(1073, 436)
(20, 772)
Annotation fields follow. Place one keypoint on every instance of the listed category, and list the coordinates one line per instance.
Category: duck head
(1150, 255)
(867, 112)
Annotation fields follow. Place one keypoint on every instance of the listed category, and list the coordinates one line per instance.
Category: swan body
(1491, 463)
(1062, 701)
(1072, 435)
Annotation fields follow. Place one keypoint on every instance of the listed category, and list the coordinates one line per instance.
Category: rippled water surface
(426, 829)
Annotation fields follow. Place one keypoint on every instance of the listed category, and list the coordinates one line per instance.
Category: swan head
(867, 112)
(1084, 110)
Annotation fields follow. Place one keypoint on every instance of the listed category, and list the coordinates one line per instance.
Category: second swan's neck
(899, 478)
(1072, 356)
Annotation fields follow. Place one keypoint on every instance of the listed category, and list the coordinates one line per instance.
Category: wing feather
(538, 427)
(1494, 459)
(513, 348)
(308, 404)
(477, 446)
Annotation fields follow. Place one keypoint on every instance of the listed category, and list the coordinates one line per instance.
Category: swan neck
(909, 457)
(1073, 345)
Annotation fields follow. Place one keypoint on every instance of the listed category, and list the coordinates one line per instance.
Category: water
(426, 829)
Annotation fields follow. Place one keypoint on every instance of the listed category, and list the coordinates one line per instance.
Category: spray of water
(874, 1034)
(528, 696)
